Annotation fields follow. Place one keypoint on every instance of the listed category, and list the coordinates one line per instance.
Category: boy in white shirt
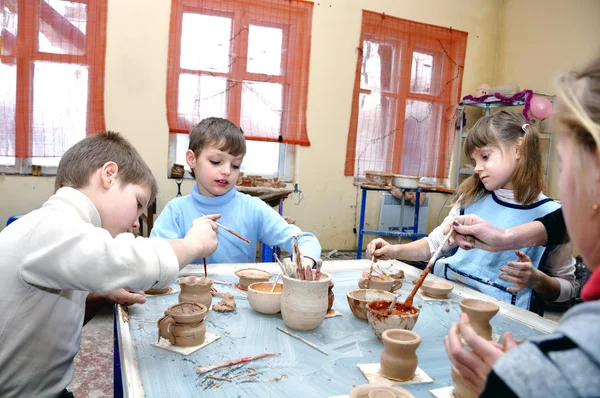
(80, 241)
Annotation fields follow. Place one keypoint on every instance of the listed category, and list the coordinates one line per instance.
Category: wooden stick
(393, 304)
(232, 232)
(235, 362)
(409, 300)
(275, 283)
(308, 343)
(276, 257)
(205, 274)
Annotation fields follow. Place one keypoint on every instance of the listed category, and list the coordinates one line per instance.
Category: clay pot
(304, 303)
(358, 300)
(157, 291)
(480, 312)
(262, 300)
(461, 388)
(196, 290)
(183, 324)
(249, 276)
(399, 359)
(380, 321)
(379, 283)
(381, 393)
(437, 289)
(330, 297)
(372, 391)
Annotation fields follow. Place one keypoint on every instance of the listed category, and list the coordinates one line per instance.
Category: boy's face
(123, 206)
(216, 171)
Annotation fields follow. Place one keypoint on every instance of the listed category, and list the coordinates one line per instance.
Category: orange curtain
(407, 85)
(244, 60)
(52, 71)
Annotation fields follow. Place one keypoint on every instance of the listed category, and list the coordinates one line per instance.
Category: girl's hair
(578, 109)
(503, 129)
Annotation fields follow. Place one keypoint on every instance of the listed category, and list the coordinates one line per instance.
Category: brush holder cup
(304, 303)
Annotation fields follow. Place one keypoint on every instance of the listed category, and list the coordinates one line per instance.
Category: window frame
(27, 53)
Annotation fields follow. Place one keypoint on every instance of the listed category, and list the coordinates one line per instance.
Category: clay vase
(376, 282)
(183, 324)
(304, 303)
(461, 388)
(399, 359)
(330, 297)
(196, 290)
(480, 312)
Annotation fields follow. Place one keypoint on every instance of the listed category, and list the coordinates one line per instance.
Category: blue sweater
(248, 216)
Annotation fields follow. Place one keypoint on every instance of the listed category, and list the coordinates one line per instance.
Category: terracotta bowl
(370, 390)
(251, 275)
(380, 321)
(438, 289)
(262, 300)
(187, 312)
(358, 300)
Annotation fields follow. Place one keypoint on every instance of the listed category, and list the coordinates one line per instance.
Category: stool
(12, 219)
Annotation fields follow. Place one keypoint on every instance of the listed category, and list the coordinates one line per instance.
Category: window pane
(420, 75)
(202, 96)
(8, 89)
(62, 27)
(60, 98)
(264, 50)
(205, 43)
(378, 67)
(421, 128)
(375, 133)
(9, 22)
(261, 109)
(262, 158)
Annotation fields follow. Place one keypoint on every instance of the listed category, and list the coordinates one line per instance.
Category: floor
(94, 363)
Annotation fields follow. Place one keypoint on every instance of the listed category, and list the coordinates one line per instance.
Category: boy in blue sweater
(215, 154)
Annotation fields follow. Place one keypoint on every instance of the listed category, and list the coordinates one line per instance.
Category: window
(52, 74)
(407, 83)
(246, 61)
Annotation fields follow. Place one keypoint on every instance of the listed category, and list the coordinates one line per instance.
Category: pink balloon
(540, 107)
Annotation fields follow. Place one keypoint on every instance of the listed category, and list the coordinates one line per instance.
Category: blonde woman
(567, 363)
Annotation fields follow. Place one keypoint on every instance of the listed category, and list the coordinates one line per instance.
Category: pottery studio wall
(135, 87)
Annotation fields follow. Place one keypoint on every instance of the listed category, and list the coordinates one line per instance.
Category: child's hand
(125, 297)
(522, 273)
(201, 238)
(380, 249)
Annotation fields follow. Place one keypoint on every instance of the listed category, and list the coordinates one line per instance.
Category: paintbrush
(409, 300)
(232, 232)
(275, 283)
(205, 274)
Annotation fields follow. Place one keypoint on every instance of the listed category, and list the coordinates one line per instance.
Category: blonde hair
(88, 155)
(504, 129)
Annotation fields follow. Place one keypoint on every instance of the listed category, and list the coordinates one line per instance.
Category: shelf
(491, 104)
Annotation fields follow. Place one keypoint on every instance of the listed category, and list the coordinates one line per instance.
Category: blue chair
(12, 219)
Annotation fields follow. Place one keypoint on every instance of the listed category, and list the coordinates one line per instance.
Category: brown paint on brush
(382, 307)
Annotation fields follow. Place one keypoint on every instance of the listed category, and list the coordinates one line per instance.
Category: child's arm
(94, 301)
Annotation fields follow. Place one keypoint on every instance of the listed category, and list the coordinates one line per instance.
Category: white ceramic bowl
(438, 289)
(402, 181)
(262, 300)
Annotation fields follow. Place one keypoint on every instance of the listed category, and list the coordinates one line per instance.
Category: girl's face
(216, 171)
(495, 166)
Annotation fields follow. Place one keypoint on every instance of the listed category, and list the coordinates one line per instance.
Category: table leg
(361, 224)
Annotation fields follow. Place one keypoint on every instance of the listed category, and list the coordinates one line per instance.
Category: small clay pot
(380, 283)
(187, 312)
(249, 276)
(330, 297)
(480, 312)
(461, 388)
(380, 321)
(182, 334)
(399, 359)
(196, 289)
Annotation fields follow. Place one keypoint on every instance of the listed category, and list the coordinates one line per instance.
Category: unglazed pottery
(480, 312)
(380, 321)
(364, 390)
(380, 283)
(304, 303)
(461, 388)
(249, 276)
(381, 393)
(261, 298)
(399, 359)
(156, 291)
(330, 297)
(358, 300)
(437, 289)
(183, 324)
(196, 289)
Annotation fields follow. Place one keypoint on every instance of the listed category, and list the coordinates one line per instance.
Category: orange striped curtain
(244, 60)
(408, 81)
(52, 72)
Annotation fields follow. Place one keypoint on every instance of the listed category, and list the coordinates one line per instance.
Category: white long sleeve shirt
(49, 260)
(560, 263)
